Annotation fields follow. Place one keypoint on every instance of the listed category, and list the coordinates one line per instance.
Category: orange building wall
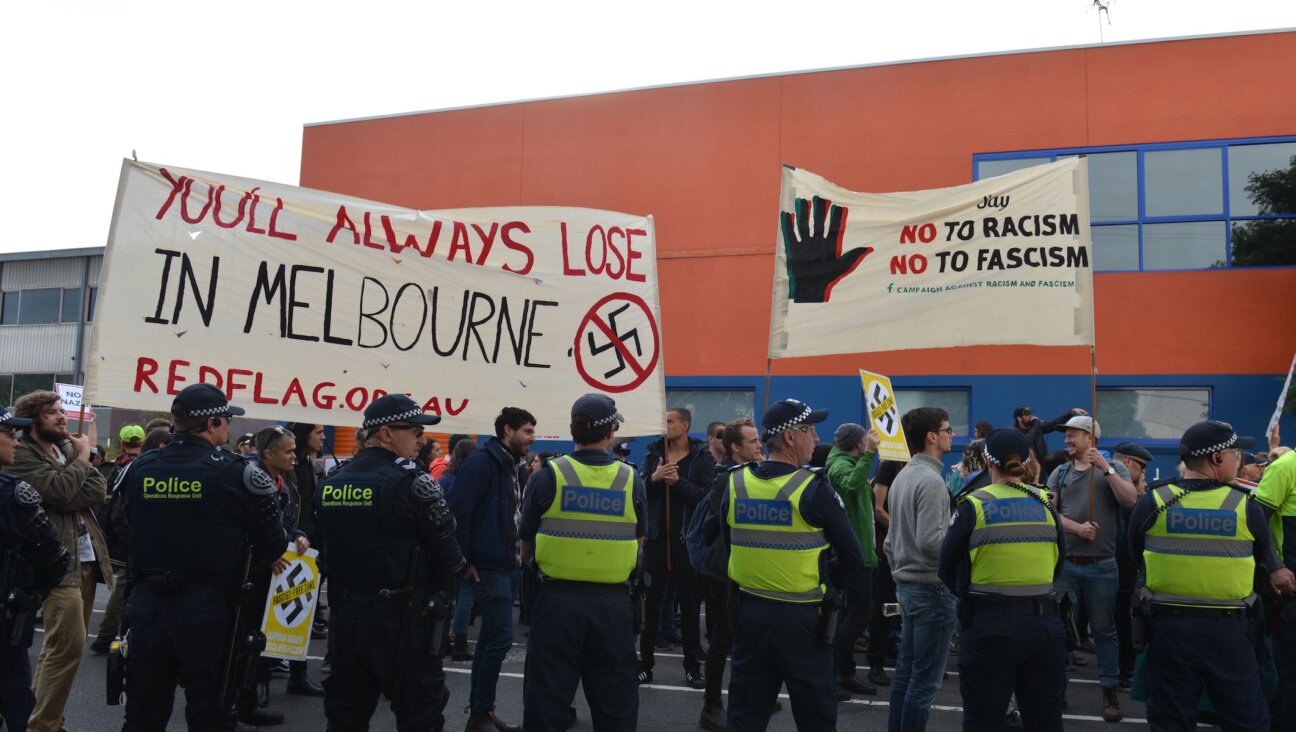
(704, 160)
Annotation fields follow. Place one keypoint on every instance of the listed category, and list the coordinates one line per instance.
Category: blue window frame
(1183, 205)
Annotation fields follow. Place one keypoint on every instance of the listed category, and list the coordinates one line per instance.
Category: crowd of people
(805, 554)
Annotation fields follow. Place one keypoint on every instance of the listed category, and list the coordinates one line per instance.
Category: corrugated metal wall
(31, 349)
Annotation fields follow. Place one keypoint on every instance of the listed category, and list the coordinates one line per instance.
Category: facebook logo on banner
(763, 511)
(593, 500)
(1201, 521)
(1010, 510)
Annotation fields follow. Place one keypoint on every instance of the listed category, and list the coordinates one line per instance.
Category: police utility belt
(1157, 609)
(992, 605)
(549, 583)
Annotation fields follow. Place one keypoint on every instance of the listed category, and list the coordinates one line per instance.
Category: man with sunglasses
(780, 518)
(370, 516)
(33, 560)
(194, 517)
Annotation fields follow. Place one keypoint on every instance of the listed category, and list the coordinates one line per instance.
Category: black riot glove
(814, 257)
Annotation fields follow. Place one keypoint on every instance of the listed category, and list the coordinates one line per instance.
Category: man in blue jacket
(486, 502)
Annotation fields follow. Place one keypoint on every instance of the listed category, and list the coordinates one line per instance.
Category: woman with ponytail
(1003, 550)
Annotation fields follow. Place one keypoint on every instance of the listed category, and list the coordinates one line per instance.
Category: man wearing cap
(486, 500)
(371, 516)
(1091, 492)
(1199, 541)
(1277, 495)
(849, 465)
(246, 444)
(57, 465)
(1028, 424)
(194, 517)
(31, 551)
(1001, 554)
(583, 524)
(131, 442)
(1252, 470)
(779, 519)
(1135, 458)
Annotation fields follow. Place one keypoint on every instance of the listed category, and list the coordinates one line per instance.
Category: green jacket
(849, 476)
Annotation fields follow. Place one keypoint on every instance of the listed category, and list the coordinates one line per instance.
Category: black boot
(261, 717)
(480, 722)
(299, 682)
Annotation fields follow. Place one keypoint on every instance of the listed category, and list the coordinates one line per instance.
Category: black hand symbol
(815, 262)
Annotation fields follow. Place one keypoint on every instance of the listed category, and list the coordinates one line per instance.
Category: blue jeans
(494, 594)
(1095, 585)
(463, 608)
(927, 616)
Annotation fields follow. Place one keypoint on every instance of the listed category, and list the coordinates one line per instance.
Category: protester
(246, 444)
(715, 441)
(486, 502)
(920, 512)
(26, 531)
(57, 465)
(131, 441)
(1027, 423)
(1090, 493)
(441, 462)
(883, 642)
(1277, 495)
(464, 592)
(1135, 458)
(677, 470)
(849, 463)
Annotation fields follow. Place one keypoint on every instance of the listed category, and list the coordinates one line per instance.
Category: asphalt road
(666, 704)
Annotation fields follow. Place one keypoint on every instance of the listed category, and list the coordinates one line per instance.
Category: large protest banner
(306, 306)
(1005, 260)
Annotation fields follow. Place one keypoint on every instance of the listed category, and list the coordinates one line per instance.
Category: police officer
(779, 519)
(1002, 552)
(32, 560)
(197, 520)
(1199, 541)
(372, 514)
(583, 523)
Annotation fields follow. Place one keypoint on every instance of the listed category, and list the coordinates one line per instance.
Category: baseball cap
(1251, 458)
(247, 438)
(203, 400)
(599, 408)
(1085, 423)
(1133, 450)
(8, 420)
(1004, 442)
(788, 413)
(396, 408)
(131, 434)
(1211, 436)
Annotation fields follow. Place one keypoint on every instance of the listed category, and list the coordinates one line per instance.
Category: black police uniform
(581, 632)
(190, 514)
(32, 561)
(370, 514)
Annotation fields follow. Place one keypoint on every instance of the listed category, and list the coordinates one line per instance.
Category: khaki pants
(110, 626)
(67, 616)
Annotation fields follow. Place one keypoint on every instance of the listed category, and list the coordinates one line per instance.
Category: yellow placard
(884, 415)
(290, 606)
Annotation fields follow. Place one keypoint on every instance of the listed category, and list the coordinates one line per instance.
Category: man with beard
(677, 470)
(486, 503)
(57, 465)
(1027, 423)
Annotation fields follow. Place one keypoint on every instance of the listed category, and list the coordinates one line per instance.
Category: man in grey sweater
(920, 512)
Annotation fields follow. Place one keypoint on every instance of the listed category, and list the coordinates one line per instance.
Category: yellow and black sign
(290, 606)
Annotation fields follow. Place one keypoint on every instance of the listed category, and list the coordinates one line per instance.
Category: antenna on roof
(1102, 6)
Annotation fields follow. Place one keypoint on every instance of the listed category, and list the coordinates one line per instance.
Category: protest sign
(306, 306)
(884, 415)
(70, 396)
(290, 606)
(1282, 399)
(1005, 260)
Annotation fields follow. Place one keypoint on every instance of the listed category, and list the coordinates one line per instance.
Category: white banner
(306, 306)
(1005, 260)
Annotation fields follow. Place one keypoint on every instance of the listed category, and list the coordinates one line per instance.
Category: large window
(1193, 205)
(13, 386)
(44, 305)
(953, 401)
(1151, 414)
(713, 405)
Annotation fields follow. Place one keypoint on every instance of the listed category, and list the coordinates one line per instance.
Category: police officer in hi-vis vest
(779, 519)
(1002, 552)
(583, 524)
(376, 515)
(195, 518)
(1199, 541)
(32, 560)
